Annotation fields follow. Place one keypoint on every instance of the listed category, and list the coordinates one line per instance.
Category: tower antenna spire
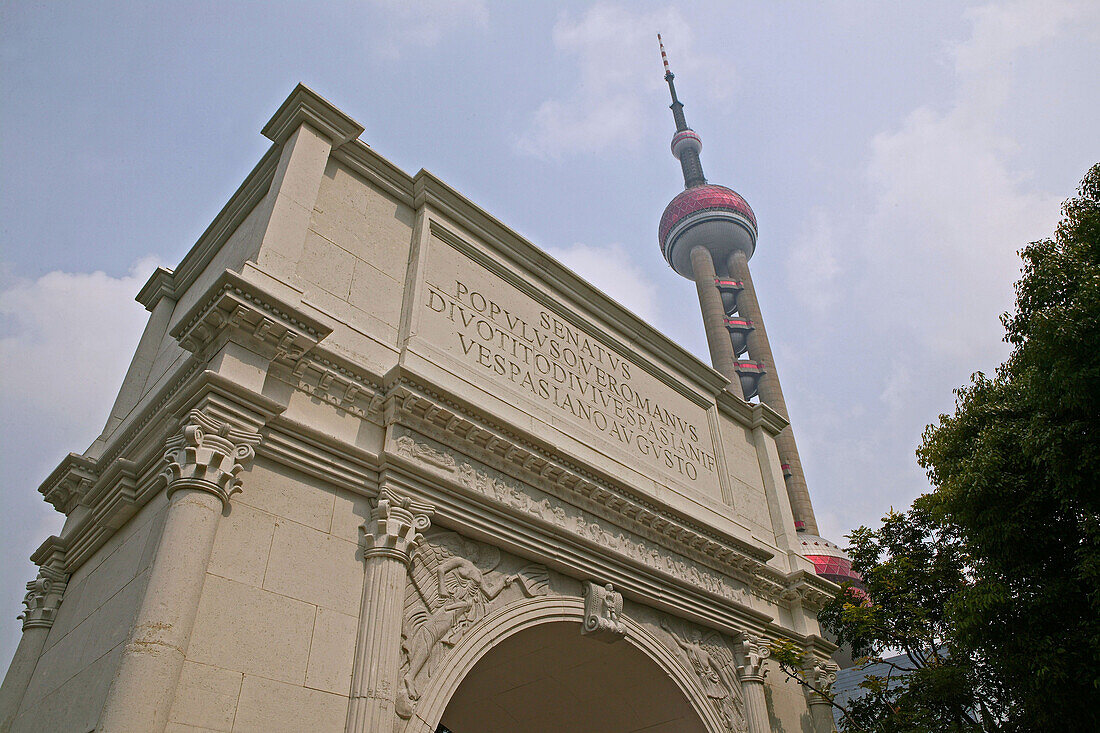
(686, 145)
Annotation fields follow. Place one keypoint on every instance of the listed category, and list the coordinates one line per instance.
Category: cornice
(305, 106)
(410, 402)
(366, 162)
(233, 304)
(67, 484)
(750, 414)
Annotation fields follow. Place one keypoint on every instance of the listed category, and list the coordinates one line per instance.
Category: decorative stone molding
(603, 610)
(67, 486)
(207, 455)
(43, 598)
(711, 660)
(395, 527)
(453, 583)
(753, 652)
(235, 306)
(307, 106)
(409, 448)
(339, 385)
(820, 675)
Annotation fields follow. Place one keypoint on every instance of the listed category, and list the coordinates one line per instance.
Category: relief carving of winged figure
(712, 661)
(454, 581)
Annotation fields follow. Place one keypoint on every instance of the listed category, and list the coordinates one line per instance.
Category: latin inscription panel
(533, 357)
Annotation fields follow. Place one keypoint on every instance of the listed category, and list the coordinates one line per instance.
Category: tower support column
(750, 670)
(771, 393)
(714, 318)
(203, 461)
(389, 540)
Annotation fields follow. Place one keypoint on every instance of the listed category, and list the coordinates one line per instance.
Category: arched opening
(550, 678)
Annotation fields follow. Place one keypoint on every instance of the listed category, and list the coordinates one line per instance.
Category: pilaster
(389, 540)
(43, 598)
(820, 675)
(752, 654)
(202, 463)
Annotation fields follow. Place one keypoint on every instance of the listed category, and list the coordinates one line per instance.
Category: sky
(897, 157)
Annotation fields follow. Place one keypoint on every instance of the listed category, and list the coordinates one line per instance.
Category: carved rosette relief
(712, 661)
(453, 583)
(207, 455)
(43, 598)
(603, 612)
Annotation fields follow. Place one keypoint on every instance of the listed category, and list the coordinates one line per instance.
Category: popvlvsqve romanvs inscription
(562, 366)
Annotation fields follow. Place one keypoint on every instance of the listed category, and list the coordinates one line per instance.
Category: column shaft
(714, 319)
(390, 538)
(141, 695)
(756, 706)
(752, 653)
(377, 654)
(771, 393)
(19, 673)
(821, 713)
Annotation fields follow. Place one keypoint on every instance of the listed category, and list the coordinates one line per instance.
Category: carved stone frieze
(43, 598)
(408, 447)
(453, 583)
(709, 657)
(207, 455)
(565, 515)
(417, 405)
(603, 612)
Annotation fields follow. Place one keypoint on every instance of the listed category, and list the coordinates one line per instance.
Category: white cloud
(617, 57)
(929, 258)
(611, 269)
(812, 266)
(66, 340)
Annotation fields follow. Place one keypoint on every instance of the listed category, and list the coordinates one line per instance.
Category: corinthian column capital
(207, 455)
(820, 675)
(752, 653)
(43, 598)
(395, 526)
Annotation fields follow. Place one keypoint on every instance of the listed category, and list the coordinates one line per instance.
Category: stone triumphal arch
(379, 464)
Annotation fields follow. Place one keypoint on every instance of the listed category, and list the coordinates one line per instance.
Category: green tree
(990, 584)
(1016, 473)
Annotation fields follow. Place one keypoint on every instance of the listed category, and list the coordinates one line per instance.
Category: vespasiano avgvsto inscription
(559, 365)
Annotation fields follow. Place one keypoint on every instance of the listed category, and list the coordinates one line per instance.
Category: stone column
(714, 319)
(43, 598)
(389, 540)
(771, 394)
(821, 676)
(203, 461)
(750, 669)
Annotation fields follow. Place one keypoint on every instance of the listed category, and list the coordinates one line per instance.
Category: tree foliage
(990, 584)
(1016, 469)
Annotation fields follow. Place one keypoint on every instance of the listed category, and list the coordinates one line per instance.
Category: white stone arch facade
(528, 613)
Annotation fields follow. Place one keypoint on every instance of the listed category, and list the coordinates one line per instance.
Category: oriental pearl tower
(707, 234)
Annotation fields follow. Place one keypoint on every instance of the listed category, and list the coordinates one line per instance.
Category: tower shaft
(722, 356)
(771, 394)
